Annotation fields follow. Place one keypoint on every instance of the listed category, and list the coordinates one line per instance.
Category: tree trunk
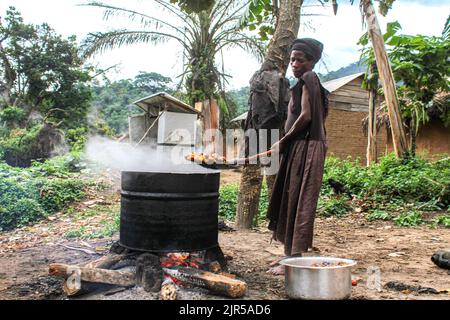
(398, 134)
(288, 23)
(248, 198)
(372, 128)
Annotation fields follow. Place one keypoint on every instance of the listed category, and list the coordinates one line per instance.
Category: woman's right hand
(277, 147)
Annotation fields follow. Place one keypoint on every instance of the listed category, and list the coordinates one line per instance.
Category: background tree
(43, 87)
(201, 35)
(41, 72)
(287, 17)
(421, 69)
(113, 101)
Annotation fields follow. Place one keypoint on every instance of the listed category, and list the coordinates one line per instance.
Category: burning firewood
(168, 290)
(214, 282)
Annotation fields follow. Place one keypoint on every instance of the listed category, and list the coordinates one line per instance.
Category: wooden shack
(348, 106)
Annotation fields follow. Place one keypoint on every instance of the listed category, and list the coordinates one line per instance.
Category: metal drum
(169, 212)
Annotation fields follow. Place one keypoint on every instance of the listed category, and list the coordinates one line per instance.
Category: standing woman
(293, 201)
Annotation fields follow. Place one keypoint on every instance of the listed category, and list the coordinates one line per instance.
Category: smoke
(148, 158)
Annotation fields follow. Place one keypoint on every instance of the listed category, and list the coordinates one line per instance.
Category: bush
(442, 220)
(333, 206)
(27, 195)
(409, 219)
(228, 202)
(76, 138)
(406, 179)
(57, 193)
(379, 215)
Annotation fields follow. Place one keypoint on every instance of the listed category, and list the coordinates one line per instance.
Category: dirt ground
(398, 253)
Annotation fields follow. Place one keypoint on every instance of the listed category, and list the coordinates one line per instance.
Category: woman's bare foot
(277, 271)
(276, 262)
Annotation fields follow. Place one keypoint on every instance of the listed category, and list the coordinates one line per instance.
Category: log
(226, 274)
(106, 262)
(76, 274)
(214, 282)
(168, 290)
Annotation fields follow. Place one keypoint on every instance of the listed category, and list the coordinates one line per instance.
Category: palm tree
(202, 36)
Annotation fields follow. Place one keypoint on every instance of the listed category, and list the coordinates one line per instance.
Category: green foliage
(421, 69)
(114, 100)
(240, 99)
(56, 193)
(409, 219)
(191, 6)
(108, 228)
(42, 72)
(260, 15)
(228, 202)
(333, 206)
(20, 144)
(443, 220)
(405, 179)
(27, 195)
(76, 138)
(391, 189)
(12, 116)
(379, 215)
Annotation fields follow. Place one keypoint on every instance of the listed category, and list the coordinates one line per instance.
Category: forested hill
(353, 68)
(113, 101)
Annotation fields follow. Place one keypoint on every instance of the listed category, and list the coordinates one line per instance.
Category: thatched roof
(439, 105)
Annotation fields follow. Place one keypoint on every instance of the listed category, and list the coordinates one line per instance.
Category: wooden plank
(351, 94)
(349, 107)
(358, 92)
(349, 100)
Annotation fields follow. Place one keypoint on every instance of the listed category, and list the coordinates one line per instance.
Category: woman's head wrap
(309, 46)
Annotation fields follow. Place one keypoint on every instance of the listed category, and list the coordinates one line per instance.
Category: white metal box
(177, 128)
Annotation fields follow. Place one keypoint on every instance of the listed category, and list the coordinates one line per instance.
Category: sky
(339, 34)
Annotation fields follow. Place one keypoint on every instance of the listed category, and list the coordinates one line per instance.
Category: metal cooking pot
(305, 281)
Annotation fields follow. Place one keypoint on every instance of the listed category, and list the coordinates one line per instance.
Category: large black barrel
(169, 212)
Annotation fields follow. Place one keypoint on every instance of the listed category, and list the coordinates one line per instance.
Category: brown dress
(293, 201)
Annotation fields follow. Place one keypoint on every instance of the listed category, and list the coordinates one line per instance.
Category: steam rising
(126, 157)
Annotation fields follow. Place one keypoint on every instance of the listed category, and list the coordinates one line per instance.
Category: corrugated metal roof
(165, 101)
(240, 118)
(335, 84)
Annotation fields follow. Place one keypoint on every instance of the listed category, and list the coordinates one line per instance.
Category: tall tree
(201, 34)
(41, 72)
(287, 16)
